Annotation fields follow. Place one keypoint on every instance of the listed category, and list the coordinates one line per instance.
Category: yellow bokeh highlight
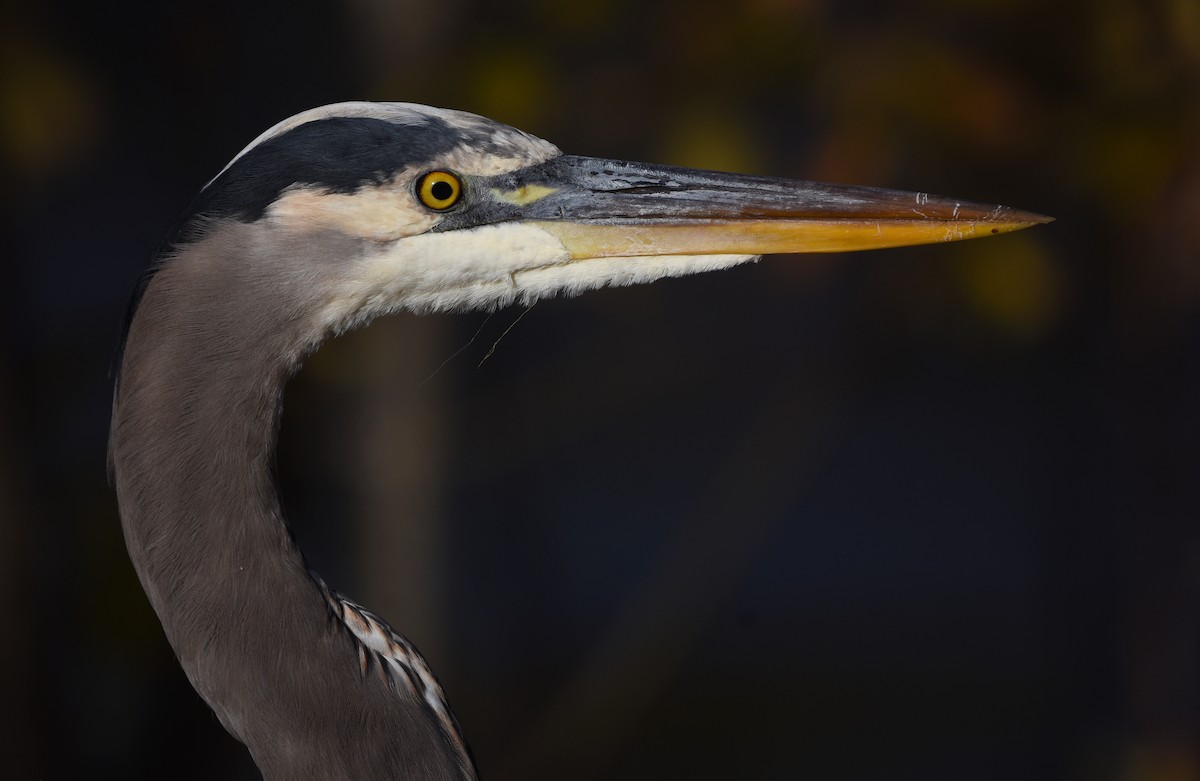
(49, 116)
(713, 139)
(513, 86)
(1012, 284)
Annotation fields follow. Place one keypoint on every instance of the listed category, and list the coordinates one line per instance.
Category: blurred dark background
(915, 514)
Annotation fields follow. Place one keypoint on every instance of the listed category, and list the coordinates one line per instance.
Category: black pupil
(441, 191)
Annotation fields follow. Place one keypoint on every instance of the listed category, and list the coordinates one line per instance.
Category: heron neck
(217, 333)
(209, 350)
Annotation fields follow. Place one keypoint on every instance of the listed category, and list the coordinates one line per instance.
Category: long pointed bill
(605, 208)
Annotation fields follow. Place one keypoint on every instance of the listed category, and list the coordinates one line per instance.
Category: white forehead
(523, 147)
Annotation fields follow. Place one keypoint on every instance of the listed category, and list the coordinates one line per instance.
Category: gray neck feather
(214, 339)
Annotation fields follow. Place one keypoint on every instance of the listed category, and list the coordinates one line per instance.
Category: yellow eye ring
(439, 190)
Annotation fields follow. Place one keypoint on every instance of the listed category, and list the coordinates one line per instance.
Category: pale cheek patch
(578, 276)
(441, 271)
(381, 214)
(486, 268)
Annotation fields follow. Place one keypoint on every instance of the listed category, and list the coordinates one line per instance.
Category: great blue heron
(333, 217)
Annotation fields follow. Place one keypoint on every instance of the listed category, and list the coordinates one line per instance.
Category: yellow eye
(439, 190)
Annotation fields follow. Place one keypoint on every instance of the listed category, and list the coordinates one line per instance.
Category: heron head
(435, 209)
